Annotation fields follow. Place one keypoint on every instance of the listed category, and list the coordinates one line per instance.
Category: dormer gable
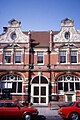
(67, 33)
(13, 33)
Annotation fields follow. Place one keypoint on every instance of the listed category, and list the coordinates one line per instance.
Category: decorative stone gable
(13, 33)
(67, 32)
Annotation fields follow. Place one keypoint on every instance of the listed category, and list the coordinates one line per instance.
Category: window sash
(73, 55)
(40, 57)
(7, 57)
(17, 57)
(62, 56)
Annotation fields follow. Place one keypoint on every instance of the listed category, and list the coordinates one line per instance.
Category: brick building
(40, 66)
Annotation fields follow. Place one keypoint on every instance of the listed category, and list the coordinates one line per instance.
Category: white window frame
(7, 81)
(65, 56)
(18, 56)
(40, 85)
(6, 54)
(76, 56)
(39, 52)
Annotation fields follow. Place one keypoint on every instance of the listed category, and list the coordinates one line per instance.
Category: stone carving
(14, 26)
(67, 26)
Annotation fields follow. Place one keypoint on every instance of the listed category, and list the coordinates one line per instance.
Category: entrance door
(39, 92)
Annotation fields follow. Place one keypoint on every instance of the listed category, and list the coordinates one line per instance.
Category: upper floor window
(7, 57)
(62, 56)
(17, 57)
(40, 57)
(73, 56)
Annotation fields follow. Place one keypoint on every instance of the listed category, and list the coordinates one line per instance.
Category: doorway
(39, 90)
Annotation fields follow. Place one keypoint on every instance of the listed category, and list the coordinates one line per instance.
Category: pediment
(68, 45)
(10, 46)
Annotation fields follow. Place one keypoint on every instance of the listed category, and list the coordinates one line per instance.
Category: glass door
(39, 94)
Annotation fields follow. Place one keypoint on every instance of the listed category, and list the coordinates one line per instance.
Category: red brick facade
(40, 66)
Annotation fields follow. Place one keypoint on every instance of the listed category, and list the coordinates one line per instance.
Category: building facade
(40, 66)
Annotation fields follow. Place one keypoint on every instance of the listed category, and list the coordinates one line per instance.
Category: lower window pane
(36, 90)
(43, 99)
(73, 59)
(60, 86)
(43, 91)
(36, 100)
(14, 87)
(19, 87)
(77, 85)
(65, 87)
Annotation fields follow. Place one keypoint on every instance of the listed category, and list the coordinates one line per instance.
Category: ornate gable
(67, 32)
(13, 33)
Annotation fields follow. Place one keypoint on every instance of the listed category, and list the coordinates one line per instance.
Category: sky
(39, 15)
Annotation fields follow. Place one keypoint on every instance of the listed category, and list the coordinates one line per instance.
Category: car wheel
(74, 116)
(27, 117)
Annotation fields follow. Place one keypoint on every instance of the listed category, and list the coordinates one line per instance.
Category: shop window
(68, 83)
(13, 82)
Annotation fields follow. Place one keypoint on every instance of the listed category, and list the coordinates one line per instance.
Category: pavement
(47, 113)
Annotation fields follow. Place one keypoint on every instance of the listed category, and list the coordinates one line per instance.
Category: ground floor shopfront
(40, 88)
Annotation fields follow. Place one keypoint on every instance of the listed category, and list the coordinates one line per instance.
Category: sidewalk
(47, 111)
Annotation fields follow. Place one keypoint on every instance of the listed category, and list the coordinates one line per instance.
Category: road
(46, 113)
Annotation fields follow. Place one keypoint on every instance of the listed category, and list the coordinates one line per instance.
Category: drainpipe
(29, 74)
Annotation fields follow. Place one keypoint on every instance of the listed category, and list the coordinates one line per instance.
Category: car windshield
(69, 104)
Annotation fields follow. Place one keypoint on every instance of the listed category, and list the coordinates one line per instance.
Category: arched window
(68, 83)
(39, 79)
(13, 82)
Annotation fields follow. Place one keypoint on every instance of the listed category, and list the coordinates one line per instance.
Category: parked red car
(70, 111)
(13, 109)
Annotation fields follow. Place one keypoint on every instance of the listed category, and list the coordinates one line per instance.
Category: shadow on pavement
(40, 117)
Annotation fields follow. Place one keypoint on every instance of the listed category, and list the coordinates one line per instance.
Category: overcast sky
(39, 15)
